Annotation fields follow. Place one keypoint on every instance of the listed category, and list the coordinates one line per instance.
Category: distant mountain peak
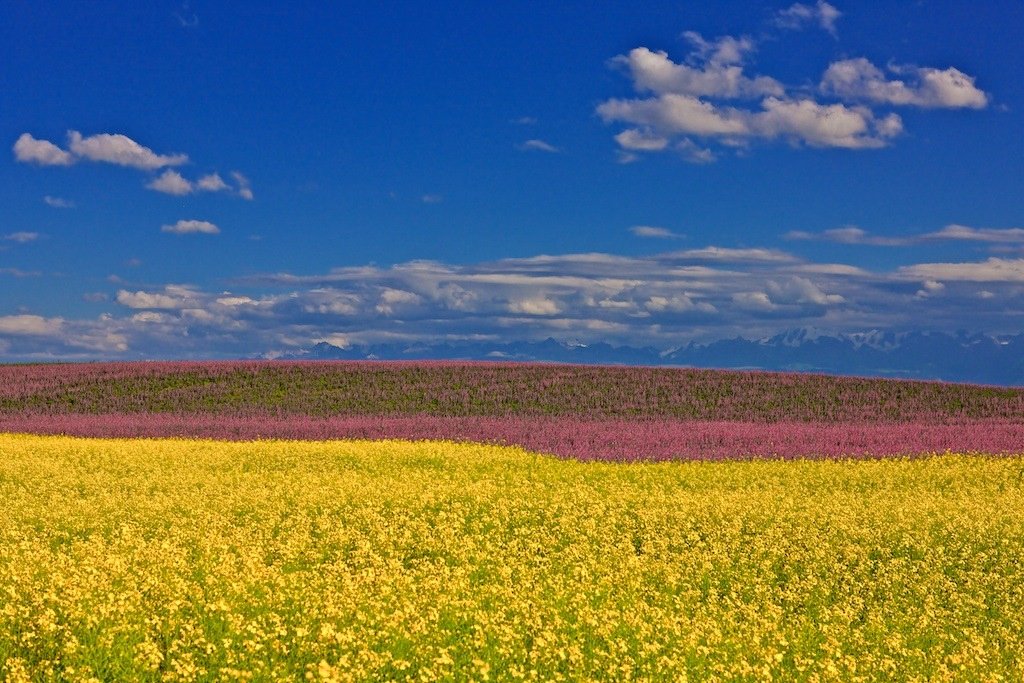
(967, 357)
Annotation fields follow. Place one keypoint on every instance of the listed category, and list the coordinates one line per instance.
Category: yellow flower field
(332, 561)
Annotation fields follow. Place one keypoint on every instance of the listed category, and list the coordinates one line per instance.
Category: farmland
(211, 560)
(574, 411)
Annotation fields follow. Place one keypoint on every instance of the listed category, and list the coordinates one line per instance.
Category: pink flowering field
(585, 412)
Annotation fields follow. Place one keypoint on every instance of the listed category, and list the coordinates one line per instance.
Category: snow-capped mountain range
(960, 357)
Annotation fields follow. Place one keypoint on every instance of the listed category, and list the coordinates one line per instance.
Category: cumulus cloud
(539, 146)
(170, 297)
(391, 298)
(654, 232)
(930, 288)
(800, 290)
(641, 140)
(825, 125)
(859, 79)
(795, 295)
(171, 182)
(661, 300)
(798, 121)
(29, 325)
(758, 302)
(534, 306)
(677, 303)
(213, 183)
(187, 227)
(121, 150)
(29, 150)
(114, 148)
(708, 101)
(674, 114)
(717, 73)
(800, 15)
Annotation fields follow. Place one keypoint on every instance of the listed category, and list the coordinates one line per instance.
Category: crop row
(327, 389)
(582, 439)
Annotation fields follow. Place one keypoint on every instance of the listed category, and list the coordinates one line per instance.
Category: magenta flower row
(586, 439)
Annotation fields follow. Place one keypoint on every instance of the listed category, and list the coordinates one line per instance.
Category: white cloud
(539, 145)
(690, 104)
(828, 269)
(58, 202)
(172, 297)
(123, 151)
(213, 183)
(171, 182)
(694, 153)
(990, 270)
(800, 121)
(963, 232)
(719, 75)
(677, 303)
(431, 199)
(641, 140)
(535, 306)
(859, 79)
(799, 15)
(235, 301)
(722, 50)
(850, 234)
(654, 232)
(800, 290)
(29, 150)
(153, 317)
(824, 125)
(728, 254)
(753, 301)
(120, 150)
(854, 235)
(661, 300)
(390, 299)
(30, 325)
(18, 272)
(673, 114)
(186, 227)
(22, 237)
(796, 296)
(930, 288)
(244, 187)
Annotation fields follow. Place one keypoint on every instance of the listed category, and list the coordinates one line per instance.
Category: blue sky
(221, 179)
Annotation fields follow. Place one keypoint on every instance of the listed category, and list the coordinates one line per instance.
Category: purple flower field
(582, 412)
(584, 439)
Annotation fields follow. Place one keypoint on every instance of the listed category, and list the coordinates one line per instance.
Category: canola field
(183, 560)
